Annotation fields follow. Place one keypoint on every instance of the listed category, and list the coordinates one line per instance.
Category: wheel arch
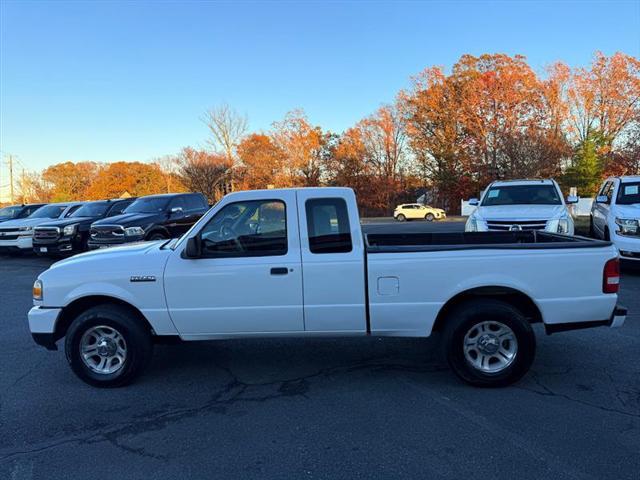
(69, 313)
(509, 295)
(157, 229)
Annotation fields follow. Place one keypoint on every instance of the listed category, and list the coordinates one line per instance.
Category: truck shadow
(261, 362)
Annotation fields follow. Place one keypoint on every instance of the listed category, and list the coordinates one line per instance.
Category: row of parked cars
(539, 205)
(525, 205)
(72, 227)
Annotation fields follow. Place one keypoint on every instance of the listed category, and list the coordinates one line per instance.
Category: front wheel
(156, 236)
(429, 217)
(401, 218)
(489, 343)
(108, 346)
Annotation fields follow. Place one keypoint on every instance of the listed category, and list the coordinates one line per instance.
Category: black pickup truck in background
(150, 218)
(70, 235)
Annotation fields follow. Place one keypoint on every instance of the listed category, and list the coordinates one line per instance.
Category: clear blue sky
(114, 80)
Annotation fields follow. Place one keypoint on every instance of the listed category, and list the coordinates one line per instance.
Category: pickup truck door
(333, 261)
(249, 278)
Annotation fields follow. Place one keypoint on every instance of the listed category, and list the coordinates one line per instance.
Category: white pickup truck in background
(615, 215)
(295, 262)
(522, 205)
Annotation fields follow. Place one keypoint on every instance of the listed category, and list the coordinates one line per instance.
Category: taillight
(611, 276)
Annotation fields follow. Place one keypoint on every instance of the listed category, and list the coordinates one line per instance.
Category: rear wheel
(157, 236)
(489, 343)
(108, 346)
(401, 218)
(429, 217)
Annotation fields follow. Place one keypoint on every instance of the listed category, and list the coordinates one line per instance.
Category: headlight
(37, 290)
(69, 230)
(134, 231)
(558, 225)
(628, 226)
(475, 225)
(25, 231)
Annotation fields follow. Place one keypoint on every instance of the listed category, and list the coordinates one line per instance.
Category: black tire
(139, 345)
(156, 236)
(592, 231)
(401, 218)
(429, 217)
(463, 319)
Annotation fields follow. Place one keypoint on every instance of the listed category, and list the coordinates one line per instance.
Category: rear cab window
(328, 226)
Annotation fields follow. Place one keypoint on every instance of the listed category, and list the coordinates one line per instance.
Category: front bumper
(61, 247)
(20, 243)
(616, 320)
(629, 247)
(42, 324)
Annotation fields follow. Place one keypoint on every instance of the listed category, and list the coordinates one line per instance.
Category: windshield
(522, 195)
(96, 209)
(629, 193)
(10, 212)
(49, 211)
(148, 205)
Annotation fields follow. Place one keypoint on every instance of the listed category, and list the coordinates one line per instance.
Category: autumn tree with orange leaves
(448, 135)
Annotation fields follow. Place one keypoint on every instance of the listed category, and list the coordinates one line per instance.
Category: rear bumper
(616, 320)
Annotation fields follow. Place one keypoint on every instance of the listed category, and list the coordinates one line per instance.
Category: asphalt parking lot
(322, 408)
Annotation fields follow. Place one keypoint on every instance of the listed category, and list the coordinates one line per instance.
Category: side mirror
(572, 199)
(193, 248)
(176, 210)
(602, 199)
(474, 202)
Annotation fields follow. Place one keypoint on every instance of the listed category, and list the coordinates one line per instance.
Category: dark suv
(71, 234)
(150, 218)
(14, 212)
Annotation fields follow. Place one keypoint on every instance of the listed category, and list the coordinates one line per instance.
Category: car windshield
(10, 212)
(49, 211)
(522, 195)
(148, 205)
(629, 193)
(96, 209)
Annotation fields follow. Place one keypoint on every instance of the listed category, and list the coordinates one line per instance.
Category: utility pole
(11, 177)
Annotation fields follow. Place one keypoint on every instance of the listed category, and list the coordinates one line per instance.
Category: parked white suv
(517, 205)
(615, 215)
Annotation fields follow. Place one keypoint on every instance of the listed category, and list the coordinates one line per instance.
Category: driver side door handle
(279, 271)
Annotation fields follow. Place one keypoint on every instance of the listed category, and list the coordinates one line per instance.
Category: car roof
(629, 178)
(524, 181)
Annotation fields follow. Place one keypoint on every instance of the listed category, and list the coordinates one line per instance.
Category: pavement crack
(548, 392)
(233, 392)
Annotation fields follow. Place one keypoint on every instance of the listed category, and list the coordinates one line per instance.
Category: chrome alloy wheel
(103, 349)
(490, 346)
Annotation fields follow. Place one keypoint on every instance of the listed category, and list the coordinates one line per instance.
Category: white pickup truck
(295, 262)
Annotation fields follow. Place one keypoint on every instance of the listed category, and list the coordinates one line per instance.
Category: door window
(247, 229)
(328, 225)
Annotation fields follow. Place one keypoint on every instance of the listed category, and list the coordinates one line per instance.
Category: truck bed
(424, 242)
